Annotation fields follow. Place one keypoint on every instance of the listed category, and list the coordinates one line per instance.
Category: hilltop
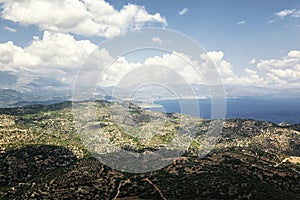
(42, 156)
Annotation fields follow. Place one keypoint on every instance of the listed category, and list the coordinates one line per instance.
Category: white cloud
(224, 67)
(241, 22)
(9, 29)
(296, 14)
(252, 78)
(291, 13)
(253, 61)
(172, 65)
(294, 54)
(183, 11)
(183, 66)
(282, 72)
(271, 21)
(8, 53)
(54, 50)
(285, 12)
(82, 17)
(157, 40)
(56, 54)
(59, 56)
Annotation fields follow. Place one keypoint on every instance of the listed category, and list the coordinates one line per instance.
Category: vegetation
(42, 156)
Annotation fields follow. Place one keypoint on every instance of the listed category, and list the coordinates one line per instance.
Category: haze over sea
(276, 110)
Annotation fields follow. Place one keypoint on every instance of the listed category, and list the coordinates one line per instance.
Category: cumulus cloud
(82, 17)
(59, 55)
(211, 63)
(53, 50)
(224, 67)
(178, 62)
(8, 53)
(183, 11)
(252, 78)
(282, 72)
(169, 63)
(55, 54)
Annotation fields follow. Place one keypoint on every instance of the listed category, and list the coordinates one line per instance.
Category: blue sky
(213, 24)
(241, 30)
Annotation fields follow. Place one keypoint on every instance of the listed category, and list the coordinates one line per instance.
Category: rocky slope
(42, 157)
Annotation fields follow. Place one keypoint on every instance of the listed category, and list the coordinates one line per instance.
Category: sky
(252, 42)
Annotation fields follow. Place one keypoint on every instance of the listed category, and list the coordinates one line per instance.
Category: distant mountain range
(13, 98)
(39, 92)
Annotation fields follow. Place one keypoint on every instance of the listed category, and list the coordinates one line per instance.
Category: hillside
(42, 157)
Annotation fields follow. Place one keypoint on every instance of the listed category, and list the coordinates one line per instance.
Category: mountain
(14, 98)
(47, 90)
(43, 156)
(9, 97)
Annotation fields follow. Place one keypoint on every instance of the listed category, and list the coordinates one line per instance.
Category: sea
(276, 110)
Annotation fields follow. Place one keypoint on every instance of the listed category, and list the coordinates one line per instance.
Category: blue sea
(276, 110)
